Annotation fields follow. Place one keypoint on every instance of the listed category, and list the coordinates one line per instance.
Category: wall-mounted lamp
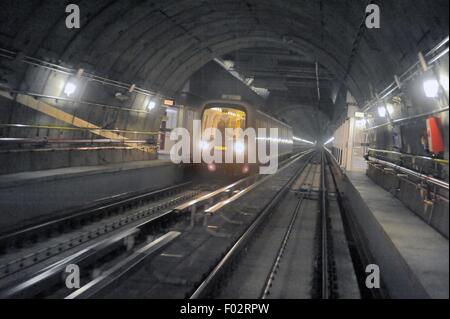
(431, 88)
(151, 105)
(70, 88)
(71, 84)
(382, 111)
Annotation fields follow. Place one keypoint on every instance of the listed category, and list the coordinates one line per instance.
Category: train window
(223, 117)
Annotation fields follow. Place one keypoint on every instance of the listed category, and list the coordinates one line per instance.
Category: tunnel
(224, 149)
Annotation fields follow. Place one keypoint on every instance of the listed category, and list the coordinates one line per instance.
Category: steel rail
(215, 208)
(324, 231)
(271, 276)
(119, 202)
(51, 275)
(122, 268)
(34, 284)
(241, 242)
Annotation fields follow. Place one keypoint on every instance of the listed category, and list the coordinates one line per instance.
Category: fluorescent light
(70, 88)
(331, 139)
(151, 105)
(431, 88)
(382, 111)
(298, 139)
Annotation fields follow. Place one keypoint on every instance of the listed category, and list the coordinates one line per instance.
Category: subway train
(216, 116)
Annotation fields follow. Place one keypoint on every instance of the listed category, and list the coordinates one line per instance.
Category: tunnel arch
(309, 129)
(177, 79)
(147, 41)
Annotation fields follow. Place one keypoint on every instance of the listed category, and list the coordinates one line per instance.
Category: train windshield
(222, 118)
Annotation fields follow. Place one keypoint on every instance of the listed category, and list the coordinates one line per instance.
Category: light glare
(382, 111)
(431, 88)
(151, 105)
(298, 139)
(331, 139)
(70, 88)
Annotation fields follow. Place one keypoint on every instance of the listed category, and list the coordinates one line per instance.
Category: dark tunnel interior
(94, 93)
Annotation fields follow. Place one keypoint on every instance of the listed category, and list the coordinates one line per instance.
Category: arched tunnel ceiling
(305, 120)
(300, 91)
(160, 44)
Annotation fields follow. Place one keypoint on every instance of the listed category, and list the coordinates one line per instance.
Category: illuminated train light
(298, 139)
(331, 139)
(278, 140)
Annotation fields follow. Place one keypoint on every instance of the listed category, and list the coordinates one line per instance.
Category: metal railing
(422, 177)
(409, 73)
(8, 54)
(440, 161)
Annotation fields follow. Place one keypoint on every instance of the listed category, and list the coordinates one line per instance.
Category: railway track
(179, 269)
(111, 237)
(28, 247)
(126, 278)
(289, 251)
(209, 242)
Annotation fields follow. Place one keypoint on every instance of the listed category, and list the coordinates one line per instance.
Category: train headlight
(239, 147)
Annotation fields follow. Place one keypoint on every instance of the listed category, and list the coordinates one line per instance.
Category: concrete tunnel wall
(159, 45)
(411, 103)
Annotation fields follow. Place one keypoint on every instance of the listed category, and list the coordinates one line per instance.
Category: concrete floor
(418, 251)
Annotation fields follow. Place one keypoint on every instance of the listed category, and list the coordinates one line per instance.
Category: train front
(223, 146)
